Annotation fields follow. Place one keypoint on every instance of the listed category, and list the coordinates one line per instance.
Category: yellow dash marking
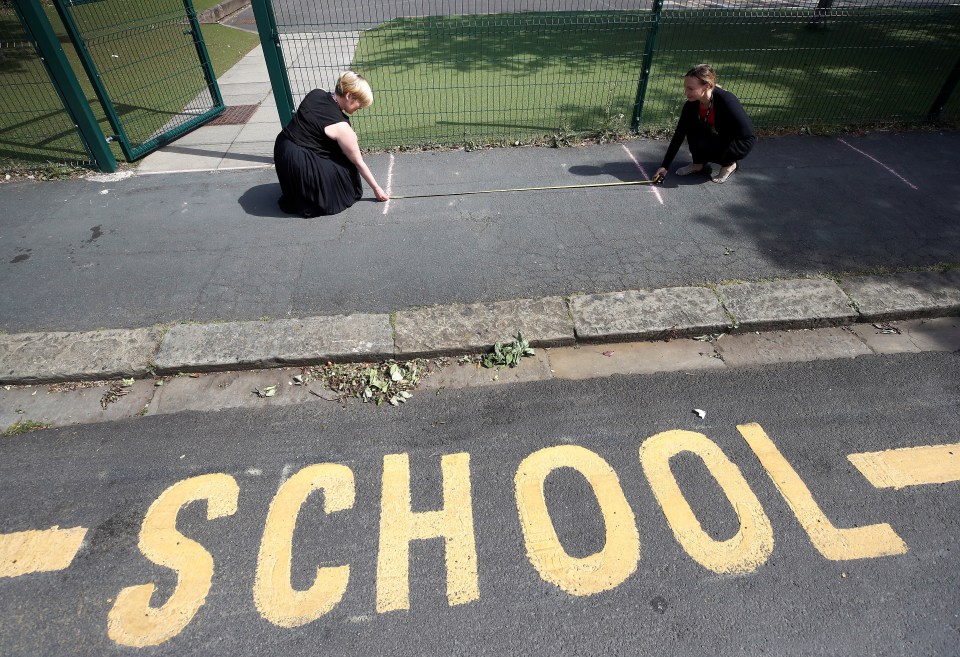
(910, 466)
(39, 550)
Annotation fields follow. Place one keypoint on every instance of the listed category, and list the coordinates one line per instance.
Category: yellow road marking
(910, 466)
(835, 544)
(601, 571)
(133, 621)
(273, 593)
(399, 525)
(39, 550)
(746, 550)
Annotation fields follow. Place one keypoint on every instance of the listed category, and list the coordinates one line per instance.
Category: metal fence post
(86, 60)
(205, 63)
(646, 65)
(948, 88)
(273, 54)
(37, 25)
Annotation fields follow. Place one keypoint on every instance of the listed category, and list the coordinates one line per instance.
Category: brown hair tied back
(704, 73)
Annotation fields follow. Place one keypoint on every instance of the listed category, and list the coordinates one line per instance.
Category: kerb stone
(648, 314)
(62, 356)
(455, 329)
(908, 295)
(242, 345)
(793, 304)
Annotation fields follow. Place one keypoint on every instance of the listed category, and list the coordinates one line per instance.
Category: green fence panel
(857, 63)
(467, 71)
(471, 71)
(148, 66)
(36, 128)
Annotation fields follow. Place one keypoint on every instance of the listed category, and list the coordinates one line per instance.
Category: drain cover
(235, 115)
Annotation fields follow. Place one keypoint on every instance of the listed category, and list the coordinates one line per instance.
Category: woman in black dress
(715, 125)
(317, 155)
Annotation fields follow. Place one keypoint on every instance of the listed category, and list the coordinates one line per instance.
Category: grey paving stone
(440, 330)
(936, 334)
(884, 338)
(797, 303)
(60, 356)
(595, 361)
(223, 390)
(648, 314)
(66, 406)
(469, 375)
(748, 349)
(905, 296)
(243, 345)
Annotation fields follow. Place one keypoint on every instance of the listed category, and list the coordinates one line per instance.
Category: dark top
(317, 110)
(730, 121)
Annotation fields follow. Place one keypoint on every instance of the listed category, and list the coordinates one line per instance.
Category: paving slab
(210, 134)
(457, 329)
(648, 314)
(796, 303)
(906, 295)
(266, 114)
(469, 375)
(749, 349)
(171, 158)
(887, 337)
(262, 132)
(244, 345)
(223, 390)
(81, 405)
(594, 361)
(936, 334)
(63, 356)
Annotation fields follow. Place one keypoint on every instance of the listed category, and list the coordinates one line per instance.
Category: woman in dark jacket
(317, 155)
(713, 121)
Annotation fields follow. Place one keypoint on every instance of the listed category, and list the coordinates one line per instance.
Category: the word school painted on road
(133, 621)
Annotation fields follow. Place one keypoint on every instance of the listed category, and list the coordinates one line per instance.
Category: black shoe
(286, 206)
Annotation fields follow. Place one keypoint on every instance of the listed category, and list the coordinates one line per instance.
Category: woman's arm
(347, 140)
(678, 136)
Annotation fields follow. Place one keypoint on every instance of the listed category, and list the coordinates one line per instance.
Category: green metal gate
(148, 66)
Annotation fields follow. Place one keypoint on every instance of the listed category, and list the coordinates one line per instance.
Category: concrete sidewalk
(228, 143)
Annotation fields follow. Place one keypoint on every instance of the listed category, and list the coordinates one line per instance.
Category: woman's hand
(380, 194)
(660, 174)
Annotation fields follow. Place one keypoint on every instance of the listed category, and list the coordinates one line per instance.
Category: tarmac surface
(185, 264)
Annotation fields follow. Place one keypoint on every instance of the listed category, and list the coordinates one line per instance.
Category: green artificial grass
(528, 76)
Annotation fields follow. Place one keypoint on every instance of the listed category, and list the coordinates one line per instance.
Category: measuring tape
(656, 181)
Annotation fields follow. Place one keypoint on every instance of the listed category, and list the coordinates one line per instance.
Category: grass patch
(24, 426)
(533, 76)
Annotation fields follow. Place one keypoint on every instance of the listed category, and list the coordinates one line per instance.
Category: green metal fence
(148, 66)
(35, 127)
(78, 74)
(501, 70)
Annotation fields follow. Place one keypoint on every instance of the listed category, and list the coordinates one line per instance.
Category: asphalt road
(787, 599)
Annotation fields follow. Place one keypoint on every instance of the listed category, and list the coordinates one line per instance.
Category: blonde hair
(353, 83)
(704, 73)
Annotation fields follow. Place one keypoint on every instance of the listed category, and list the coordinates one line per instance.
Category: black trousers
(708, 147)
